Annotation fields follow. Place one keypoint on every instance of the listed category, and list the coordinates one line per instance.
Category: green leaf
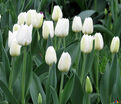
(86, 13)
(103, 29)
(67, 90)
(35, 89)
(9, 96)
(54, 95)
(77, 93)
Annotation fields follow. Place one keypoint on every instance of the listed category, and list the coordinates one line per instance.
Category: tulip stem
(64, 42)
(59, 43)
(55, 42)
(83, 68)
(76, 38)
(61, 87)
(11, 76)
(23, 76)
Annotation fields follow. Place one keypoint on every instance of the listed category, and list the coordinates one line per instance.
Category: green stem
(64, 42)
(55, 41)
(11, 76)
(83, 68)
(61, 87)
(76, 38)
(95, 4)
(23, 77)
(59, 43)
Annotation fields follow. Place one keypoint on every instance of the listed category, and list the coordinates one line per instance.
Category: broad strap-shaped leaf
(67, 91)
(11, 99)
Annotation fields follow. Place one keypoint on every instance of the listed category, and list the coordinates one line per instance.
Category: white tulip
(16, 27)
(62, 27)
(15, 48)
(77, 24)
(64, 62)
(86, 44)
(11, 37)
(34, 18)
(47, 29)
(22, 18)
(24, 35)
(115, 44)
(98, 41)
(50, 56)
(88, 26)
(57, 13)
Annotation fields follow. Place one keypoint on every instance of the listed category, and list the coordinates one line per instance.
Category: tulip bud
(22, 18)
(88, 86)
(115, 44)
(50, 56)
(34, 18)
(88, 26)
(57, 13)
(64, 62)
(15, 49)
(11, 37)
(16, 27)
(39, 99)
(77, 24)
(62, 27)
(47, 29)
(98, 41)
(24, 35)
(86, 44)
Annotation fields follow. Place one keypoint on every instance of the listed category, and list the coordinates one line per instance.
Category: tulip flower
(77, 24)
(50, 56)
(47, 29)
(34, 18)
(15, 48)
(16, 27)
(24, 35)
(98, 41)
(22, 18)
(11, 37)
(88, 86)
(86, 44)
(64, 62)
(57, 13)
(115, 44)
(62, 27)
(88, 26)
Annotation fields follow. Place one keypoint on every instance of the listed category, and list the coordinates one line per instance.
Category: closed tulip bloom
(88, 86)
(64, 62)
(11, 37)
(24, 35)
(77, 24)
(57, 13)
(50, 56)
(16, 27)
(15, 49)
(62, 27)
(98, 41)
(115, 44)
(34, 18)
(22, 18)
(47, 29)
(88, 26)
(86, 44)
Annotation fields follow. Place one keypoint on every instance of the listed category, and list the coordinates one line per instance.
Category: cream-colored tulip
(64, 62)
(47, 29)
(57, 13)
(50, 56)
(62, 27)
(88, 26)
(22, 18)
(86, 43)
(98, 41)
(34, 18)
(77, 24)
(24, 35)
(15, 49)
(115, 44)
